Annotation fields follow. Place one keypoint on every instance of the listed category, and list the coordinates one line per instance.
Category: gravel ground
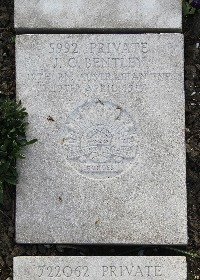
(8, 247)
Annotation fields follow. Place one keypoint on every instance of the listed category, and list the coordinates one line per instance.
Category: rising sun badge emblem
(100, 139)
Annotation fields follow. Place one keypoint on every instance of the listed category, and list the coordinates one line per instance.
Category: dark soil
(8, 247)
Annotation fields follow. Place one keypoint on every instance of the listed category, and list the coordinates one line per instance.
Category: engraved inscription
(65, 271)
(63, 47)
(131, 271)
(119, 67)
(119, 47)
(100, 139)
(134, 271)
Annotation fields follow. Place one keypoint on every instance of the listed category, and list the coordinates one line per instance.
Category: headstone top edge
(106, 14)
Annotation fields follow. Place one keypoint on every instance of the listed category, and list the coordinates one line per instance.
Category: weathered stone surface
(123, 268)
(104, 14)
(109, 164)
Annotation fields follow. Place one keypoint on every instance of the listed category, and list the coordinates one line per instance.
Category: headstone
(104, 14)
(106, 268)
(109, 164)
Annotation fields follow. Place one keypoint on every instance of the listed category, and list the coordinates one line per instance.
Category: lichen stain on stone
(97, 221)
(60, 199)
(50, 118)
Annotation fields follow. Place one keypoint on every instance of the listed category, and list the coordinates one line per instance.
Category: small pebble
(48, 246)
